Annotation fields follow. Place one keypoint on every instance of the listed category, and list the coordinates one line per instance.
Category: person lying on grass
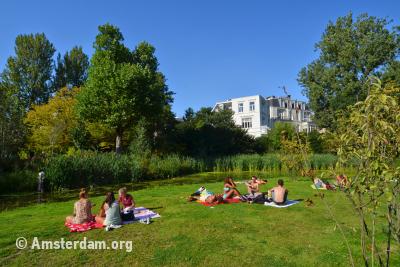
(278, 194)
(319, 184)
(109, 212)
(230, 189)
(205, 196)
(253, 186)
(82, 209)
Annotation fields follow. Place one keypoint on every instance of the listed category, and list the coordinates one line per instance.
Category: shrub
(89, 168)
(18, 181)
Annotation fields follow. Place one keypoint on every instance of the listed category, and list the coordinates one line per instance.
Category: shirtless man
(253, 186)
(278, 193)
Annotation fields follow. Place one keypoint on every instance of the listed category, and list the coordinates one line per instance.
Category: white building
(258, 114)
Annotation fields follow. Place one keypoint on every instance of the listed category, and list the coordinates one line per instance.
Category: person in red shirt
(127, 201)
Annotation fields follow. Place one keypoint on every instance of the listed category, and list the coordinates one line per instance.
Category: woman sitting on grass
(82, 209)
(109, 212)
(230, 189)
(128, 205)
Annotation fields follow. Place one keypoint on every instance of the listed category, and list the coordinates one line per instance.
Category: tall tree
(11, 126)
(350, 51)
(123, 87)
(29, 71)
(71, 69)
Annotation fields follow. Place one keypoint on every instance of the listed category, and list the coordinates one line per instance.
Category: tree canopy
(350, 51)
(71, 69)
(123, 86)
(30, 70)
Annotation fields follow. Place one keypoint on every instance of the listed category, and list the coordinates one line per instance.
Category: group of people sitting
(277, 194)
(112, 211)
(341, 182)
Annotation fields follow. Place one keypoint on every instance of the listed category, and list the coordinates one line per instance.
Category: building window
(247, 123)
(285, 104)
(292, 105)
(252, 106)
(240, 107)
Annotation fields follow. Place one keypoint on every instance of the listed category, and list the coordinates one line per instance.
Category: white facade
(258, 114)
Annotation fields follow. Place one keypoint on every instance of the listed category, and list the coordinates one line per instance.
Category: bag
(128, 216)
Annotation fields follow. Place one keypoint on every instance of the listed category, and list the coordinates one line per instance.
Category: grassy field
(189, 234)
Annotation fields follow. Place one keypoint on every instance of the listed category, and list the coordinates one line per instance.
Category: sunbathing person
(205, 196)
(109, 212)
(253, 186)
(342, 180)
(230, 188)
(319, 184)
(278, 194)
(82, 209)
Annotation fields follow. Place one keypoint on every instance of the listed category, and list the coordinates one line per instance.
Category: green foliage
(279, 131)
(123, 87)
(294, 155)
(30, 70)
(269, 162)
(350, 51)
(210, 134)
(371, 135)
(89, 168)
(316, 142)
(85, 168)
(12, 129)
(172, 166)
(71, 69)
(18, 181)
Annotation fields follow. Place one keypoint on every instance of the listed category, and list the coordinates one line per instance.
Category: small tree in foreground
(371, 136)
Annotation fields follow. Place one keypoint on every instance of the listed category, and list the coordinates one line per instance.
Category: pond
(8, 202)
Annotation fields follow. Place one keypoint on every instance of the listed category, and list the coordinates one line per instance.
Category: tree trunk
(118, 141)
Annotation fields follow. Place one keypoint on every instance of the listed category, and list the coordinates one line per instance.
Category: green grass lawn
(189, 234)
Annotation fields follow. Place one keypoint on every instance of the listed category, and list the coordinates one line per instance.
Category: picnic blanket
(314, 187)
(287, 204)
(227, 201)
(83, 227)
(142, 213)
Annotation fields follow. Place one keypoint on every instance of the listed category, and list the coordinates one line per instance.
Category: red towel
(227, 201)
(73, 227)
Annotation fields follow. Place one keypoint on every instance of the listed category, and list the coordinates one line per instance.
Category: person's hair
(109, 198)
(254, 177)
(228, 180)
(122, 191)
(280, 182)
(83, 193)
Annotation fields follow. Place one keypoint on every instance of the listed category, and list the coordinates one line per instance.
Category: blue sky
(208, 50)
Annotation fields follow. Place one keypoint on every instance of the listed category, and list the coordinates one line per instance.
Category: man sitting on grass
(278, 194)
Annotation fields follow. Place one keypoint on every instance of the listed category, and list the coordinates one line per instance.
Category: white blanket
(287, 204)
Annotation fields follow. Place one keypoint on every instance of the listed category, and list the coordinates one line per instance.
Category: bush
(18, 181)
(91, 168)
(172, 166)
